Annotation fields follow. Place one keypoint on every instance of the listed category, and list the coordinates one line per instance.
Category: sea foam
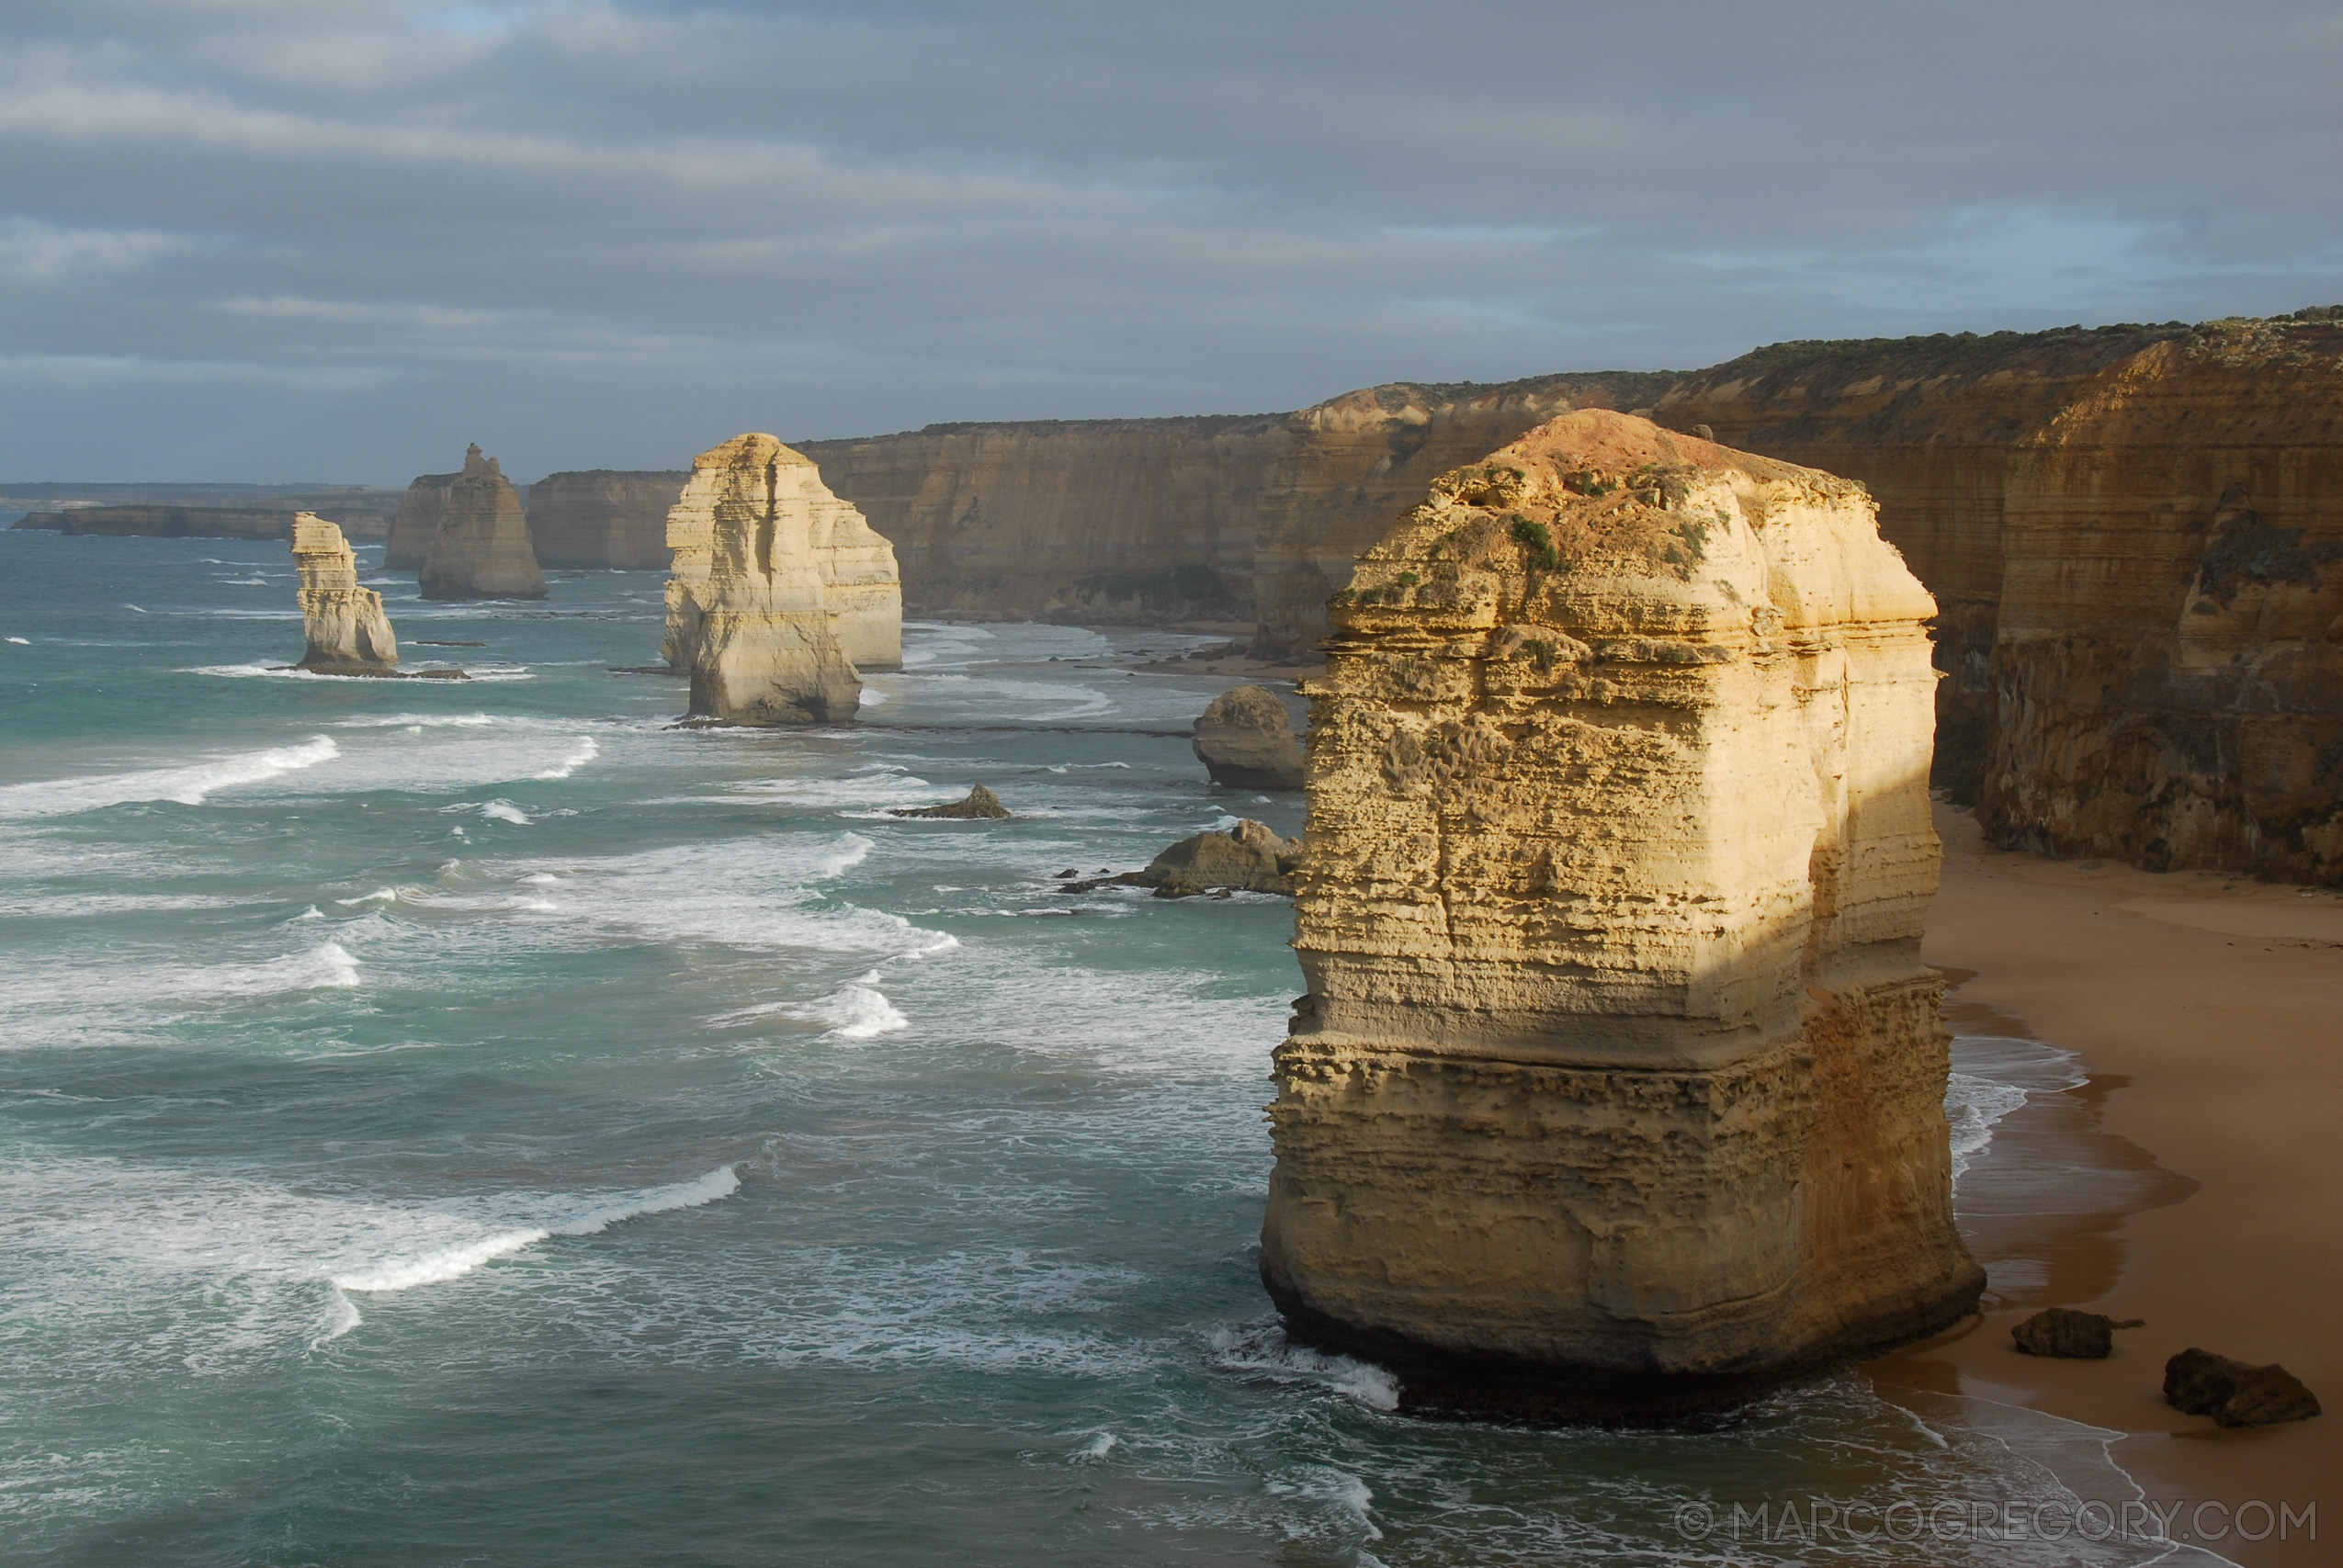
(189, 785)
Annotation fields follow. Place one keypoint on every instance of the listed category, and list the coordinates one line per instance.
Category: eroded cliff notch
(480, 548)
(349, 633)
(780, 592)
(1618, 1089)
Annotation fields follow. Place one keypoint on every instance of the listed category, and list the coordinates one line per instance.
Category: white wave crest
(584, 751)
(857, 1012)
(327, 966)
(1264, 1352)
(504, 811)
(189, 785)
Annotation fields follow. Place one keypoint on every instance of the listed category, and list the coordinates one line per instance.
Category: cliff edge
(1618, 1089)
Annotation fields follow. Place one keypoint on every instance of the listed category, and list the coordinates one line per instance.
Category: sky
(279, 240)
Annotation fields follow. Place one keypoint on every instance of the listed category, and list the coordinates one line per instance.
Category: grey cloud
(336, 239)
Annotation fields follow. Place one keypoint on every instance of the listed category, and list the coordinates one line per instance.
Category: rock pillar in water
(750, 615)
(1618, 1091)
(480, 549)
(349, 633)
(1245, 741)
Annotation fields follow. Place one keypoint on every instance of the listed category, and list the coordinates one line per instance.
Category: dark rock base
(1442, 1384)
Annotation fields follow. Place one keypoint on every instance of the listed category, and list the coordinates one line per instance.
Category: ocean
(481, 1122)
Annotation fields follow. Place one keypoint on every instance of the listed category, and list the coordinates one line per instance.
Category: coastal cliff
(603, 517)
(749, 611)
(1618, 1089)
(2131, 665)
(346, 631)
(481, 548)
(416, 523)
(1215, 518)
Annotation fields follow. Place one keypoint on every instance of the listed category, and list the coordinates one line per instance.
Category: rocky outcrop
(480, 549)
(2136, 538)
(1245, 741)
(348, 632)
(2067, 1335)
(416, 524)
(749, 615)
(1618, 1089)
(1249, 858)
(1251, 517)
(979, 805)
(2233, 1392)
(606, 518)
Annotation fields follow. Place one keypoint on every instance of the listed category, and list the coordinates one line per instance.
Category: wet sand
(2196, 1181)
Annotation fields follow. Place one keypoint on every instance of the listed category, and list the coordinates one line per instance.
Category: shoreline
(2194, 1179)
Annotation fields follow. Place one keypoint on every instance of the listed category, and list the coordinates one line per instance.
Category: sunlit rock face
(480, 549)
(347, 630)
(776, 583)
(1618, 1089)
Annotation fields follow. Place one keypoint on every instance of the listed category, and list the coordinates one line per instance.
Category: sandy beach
(2196, 1181)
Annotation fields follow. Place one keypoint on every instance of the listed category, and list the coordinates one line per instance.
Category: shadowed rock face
(1618, 1089)
(346, 630)
(480, 549)
(752, 614)
(1245, 741)
(417, 522)
(603, 517)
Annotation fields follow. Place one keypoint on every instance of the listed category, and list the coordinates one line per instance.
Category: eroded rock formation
(2133, 533)
(348, 632)
(480, 548)
(1249, 858)
(751, 613)
(979, 805)
(1618, 1089)
(1251, 517)
(1245, 741)
(603, 518)
(417, 521)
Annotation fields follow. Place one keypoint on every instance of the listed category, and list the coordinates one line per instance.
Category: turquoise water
(476, 1122)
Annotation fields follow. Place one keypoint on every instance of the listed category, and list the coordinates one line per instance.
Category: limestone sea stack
(1245, 741)
(1618, 1089)
(417, 521)
(480, 549)
(348, 634)
(753, 615)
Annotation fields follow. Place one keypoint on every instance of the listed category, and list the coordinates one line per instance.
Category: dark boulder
(2074, 1336)
(981, 803)
(1249, 858)
(1245, 741)
(2236, 1393)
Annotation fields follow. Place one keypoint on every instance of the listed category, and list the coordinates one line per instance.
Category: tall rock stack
(348, 634)
(417, 521)
(859, 582)
(480, 549)
(749, 610)
(1618, 1089)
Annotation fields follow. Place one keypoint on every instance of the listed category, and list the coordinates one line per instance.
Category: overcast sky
(334, 240)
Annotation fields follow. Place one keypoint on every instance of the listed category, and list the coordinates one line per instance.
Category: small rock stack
(348, 632)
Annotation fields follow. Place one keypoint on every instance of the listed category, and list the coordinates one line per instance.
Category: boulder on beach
(2233, 1392)
(981, 804)
(1245, 741)
(2067, 1335)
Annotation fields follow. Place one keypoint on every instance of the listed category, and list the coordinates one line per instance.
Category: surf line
(454, 1262)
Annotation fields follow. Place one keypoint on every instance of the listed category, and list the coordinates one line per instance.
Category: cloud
(340, 237)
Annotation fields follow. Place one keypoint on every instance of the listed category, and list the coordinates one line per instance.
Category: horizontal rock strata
(481, 548)
(190, 521)
(608, 518)
(1618, 1089)
(751, 616)
(1250, 517)
(346, 630)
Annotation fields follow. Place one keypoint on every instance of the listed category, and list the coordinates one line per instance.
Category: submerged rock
(1245, 741)
(348, 632)
(752, 614)
(981, 804)
(1248, 858)
(481, 548)
(1618, 1089)
(2236, 1393)
(2071, 1335)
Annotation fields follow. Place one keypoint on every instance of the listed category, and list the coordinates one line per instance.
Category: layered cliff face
(190, 521)
(481, 548)
(749, 611)
(1242, 518)
(2059, 493)
(2168, 678)
(603, 517)
(859, 580)
(1619, 1085)
(417, 521)
(348, 632)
